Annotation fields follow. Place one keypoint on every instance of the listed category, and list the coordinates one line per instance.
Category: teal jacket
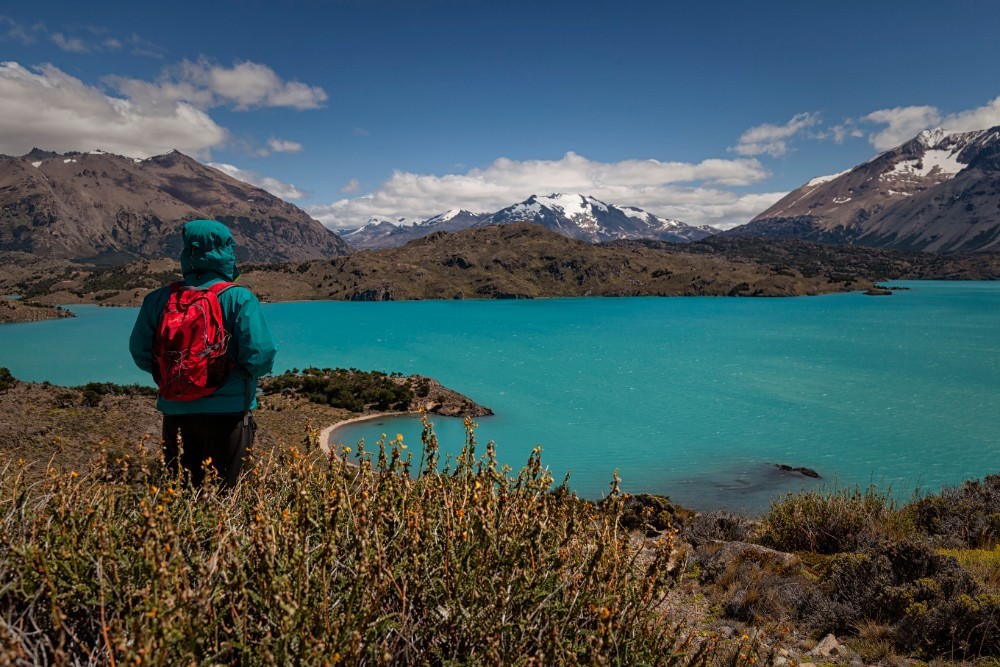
(209, 256)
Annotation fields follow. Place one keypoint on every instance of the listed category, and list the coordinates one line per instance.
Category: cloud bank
(50, 109)
(244, 86)
(692, 192)
(773, 139)
(900, 124)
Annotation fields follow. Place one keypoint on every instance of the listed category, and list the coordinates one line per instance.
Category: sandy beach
(326, 435)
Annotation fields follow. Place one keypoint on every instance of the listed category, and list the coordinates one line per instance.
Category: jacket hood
(209, 246)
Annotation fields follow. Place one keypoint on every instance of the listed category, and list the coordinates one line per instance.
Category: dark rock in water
(878, 291)
(808, 472)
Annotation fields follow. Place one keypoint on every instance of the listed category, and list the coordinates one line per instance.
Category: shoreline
(326, 435)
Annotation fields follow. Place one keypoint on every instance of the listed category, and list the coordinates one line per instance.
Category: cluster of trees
(350, 389)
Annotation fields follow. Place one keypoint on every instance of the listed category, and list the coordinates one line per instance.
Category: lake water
(691, 397)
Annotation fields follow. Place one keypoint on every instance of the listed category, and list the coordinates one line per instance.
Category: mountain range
(576, 216)
(110, 209)
(938, 192)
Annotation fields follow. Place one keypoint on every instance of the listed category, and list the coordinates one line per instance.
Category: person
(216, 430)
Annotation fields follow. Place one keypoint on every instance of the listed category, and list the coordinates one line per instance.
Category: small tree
(7, 380)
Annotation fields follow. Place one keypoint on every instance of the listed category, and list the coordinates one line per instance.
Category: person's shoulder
(158, 294)
(239, 294)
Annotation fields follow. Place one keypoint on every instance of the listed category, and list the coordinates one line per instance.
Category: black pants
(222, 438)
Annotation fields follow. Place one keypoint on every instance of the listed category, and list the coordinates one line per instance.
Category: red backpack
(190, 345)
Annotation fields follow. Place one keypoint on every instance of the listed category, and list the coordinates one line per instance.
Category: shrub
(311, 561)
(967, 516)
(647, 512)
(983, 564)
(93, 392)
(932, 604)
(349, 389)
(833, 521)
(753, 583)
(7, 380)
(718, 525)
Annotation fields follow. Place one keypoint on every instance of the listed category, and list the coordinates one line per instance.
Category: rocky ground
(12, 310)
(68, 426)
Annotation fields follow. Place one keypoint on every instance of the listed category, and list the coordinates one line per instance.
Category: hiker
(207, 373)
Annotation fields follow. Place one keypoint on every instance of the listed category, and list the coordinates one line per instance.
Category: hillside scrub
(350, 389)
(312, 561)
(855, 562)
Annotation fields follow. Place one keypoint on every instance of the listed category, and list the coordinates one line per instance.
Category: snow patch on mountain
(945, 162)
(819, 180)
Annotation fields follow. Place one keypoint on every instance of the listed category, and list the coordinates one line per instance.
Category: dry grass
(310, 561)
(831, 521)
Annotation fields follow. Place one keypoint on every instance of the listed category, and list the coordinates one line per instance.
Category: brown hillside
(113, 209)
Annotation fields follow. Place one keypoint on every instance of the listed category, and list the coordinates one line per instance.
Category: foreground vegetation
(389, 556)
(921, 579)
(312, 561)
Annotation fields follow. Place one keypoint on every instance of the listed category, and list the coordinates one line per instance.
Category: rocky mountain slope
(380, 233)
(573, 215)
(939, 192)
(590, 219)
(111, 209)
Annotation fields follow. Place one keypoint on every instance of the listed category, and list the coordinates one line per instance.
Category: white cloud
(244, 86)
(691, 192)
(272, 185)
(903, 124)
(979, 118)
(11, 30)
(70, 44)
(845, 130)
(94, 41)
(52, 110)
(352, 185)
(144, 47)
(283, 145)
(773, 139)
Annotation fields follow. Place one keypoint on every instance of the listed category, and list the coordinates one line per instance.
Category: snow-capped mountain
(573, 215)
(380, 233)
(590, 219)
(938, 192)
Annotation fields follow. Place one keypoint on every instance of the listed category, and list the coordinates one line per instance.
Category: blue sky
(705, 112)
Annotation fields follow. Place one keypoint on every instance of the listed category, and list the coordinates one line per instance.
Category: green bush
(934, 606)
(833, 521)
(350, 389)
(7, 380)
(966, 517)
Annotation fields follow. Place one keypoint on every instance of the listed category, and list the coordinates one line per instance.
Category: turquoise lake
(691, 397)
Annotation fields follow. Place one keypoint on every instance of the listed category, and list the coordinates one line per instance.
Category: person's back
(217, 426)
